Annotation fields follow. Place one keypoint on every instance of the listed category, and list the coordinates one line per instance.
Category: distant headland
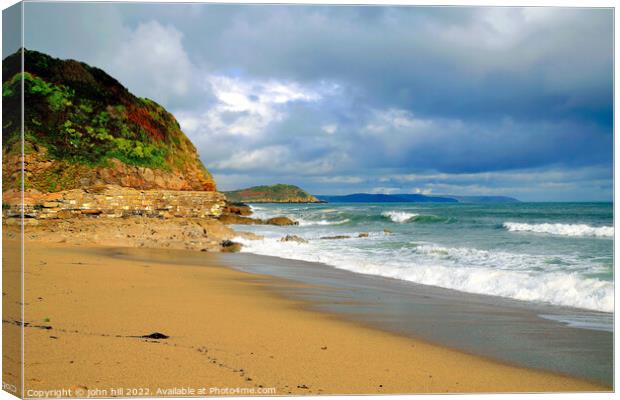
(278, 193)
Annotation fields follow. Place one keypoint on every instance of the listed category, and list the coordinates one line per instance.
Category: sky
(376, 99)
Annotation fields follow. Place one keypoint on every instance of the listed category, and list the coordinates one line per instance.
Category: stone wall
(112, 201)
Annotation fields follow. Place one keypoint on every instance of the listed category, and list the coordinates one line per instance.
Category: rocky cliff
(82, 128)
(271, 194)
(111, 201)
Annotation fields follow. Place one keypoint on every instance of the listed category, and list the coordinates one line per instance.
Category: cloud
(422, 190)
(385, 190)
(277, 160)
(94, 32)
(581, 183)
(497, 99)
(153, 60)
(247, 107)
(394, 119)
(340, 179)
(250, 160)
(330, 129)
(397, 138)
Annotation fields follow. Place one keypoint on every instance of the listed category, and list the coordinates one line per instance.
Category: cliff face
(271, 194)
(83, 128)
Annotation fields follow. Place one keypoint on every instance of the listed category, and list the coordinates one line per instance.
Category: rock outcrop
(83, 128)
(111, 201)
(293, 238)
(233, 219)
(102, 166)
(237, 209)
(281, 221)
(199, 234)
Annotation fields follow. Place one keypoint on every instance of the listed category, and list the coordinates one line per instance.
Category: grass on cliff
(80, 130)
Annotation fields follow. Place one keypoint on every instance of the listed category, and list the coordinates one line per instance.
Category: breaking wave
(399, 216)
(511, 275)
(303, 222)
(561, 229)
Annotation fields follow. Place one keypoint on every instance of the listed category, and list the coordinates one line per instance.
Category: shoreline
(238, 334)
(525, 334)
(524, 303)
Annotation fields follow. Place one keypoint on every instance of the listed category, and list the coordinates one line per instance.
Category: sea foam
(399, 216)
(561, 229)
(304, 222)
(503, 274)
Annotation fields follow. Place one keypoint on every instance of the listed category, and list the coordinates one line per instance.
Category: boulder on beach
(363, 235)
(337, 237)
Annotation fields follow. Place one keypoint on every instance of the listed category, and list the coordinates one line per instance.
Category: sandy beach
(307, 199)
(86, 311)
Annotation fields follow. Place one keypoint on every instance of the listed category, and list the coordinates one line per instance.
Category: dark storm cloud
(468, 62)
(347, 97)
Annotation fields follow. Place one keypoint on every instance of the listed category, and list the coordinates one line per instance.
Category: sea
(527, 284)
(558, 254)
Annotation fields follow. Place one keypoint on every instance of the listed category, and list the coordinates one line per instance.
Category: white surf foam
(260, 212)
(304, 222)
(561, 229)
(502, 274)
(399, 216)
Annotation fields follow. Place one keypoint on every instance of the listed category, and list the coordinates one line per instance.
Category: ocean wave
(260, 212)
(304, 222)
(399, 216)
(517, 276)
(561, 229)
(430, 218)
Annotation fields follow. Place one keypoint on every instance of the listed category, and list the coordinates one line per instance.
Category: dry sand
(226, 330)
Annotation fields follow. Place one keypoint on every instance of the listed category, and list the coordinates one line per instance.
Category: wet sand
(517, 332)
(87, 308)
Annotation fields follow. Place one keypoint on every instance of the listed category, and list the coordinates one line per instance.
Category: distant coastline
(413, 198)
(283, 193)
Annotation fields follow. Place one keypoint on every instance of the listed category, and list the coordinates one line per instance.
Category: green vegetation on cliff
(271, 194)
(78, 119)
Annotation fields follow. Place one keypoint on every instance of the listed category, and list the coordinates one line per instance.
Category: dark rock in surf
(228, 246)
(281, 221)
(293, 238)
(337, 237)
